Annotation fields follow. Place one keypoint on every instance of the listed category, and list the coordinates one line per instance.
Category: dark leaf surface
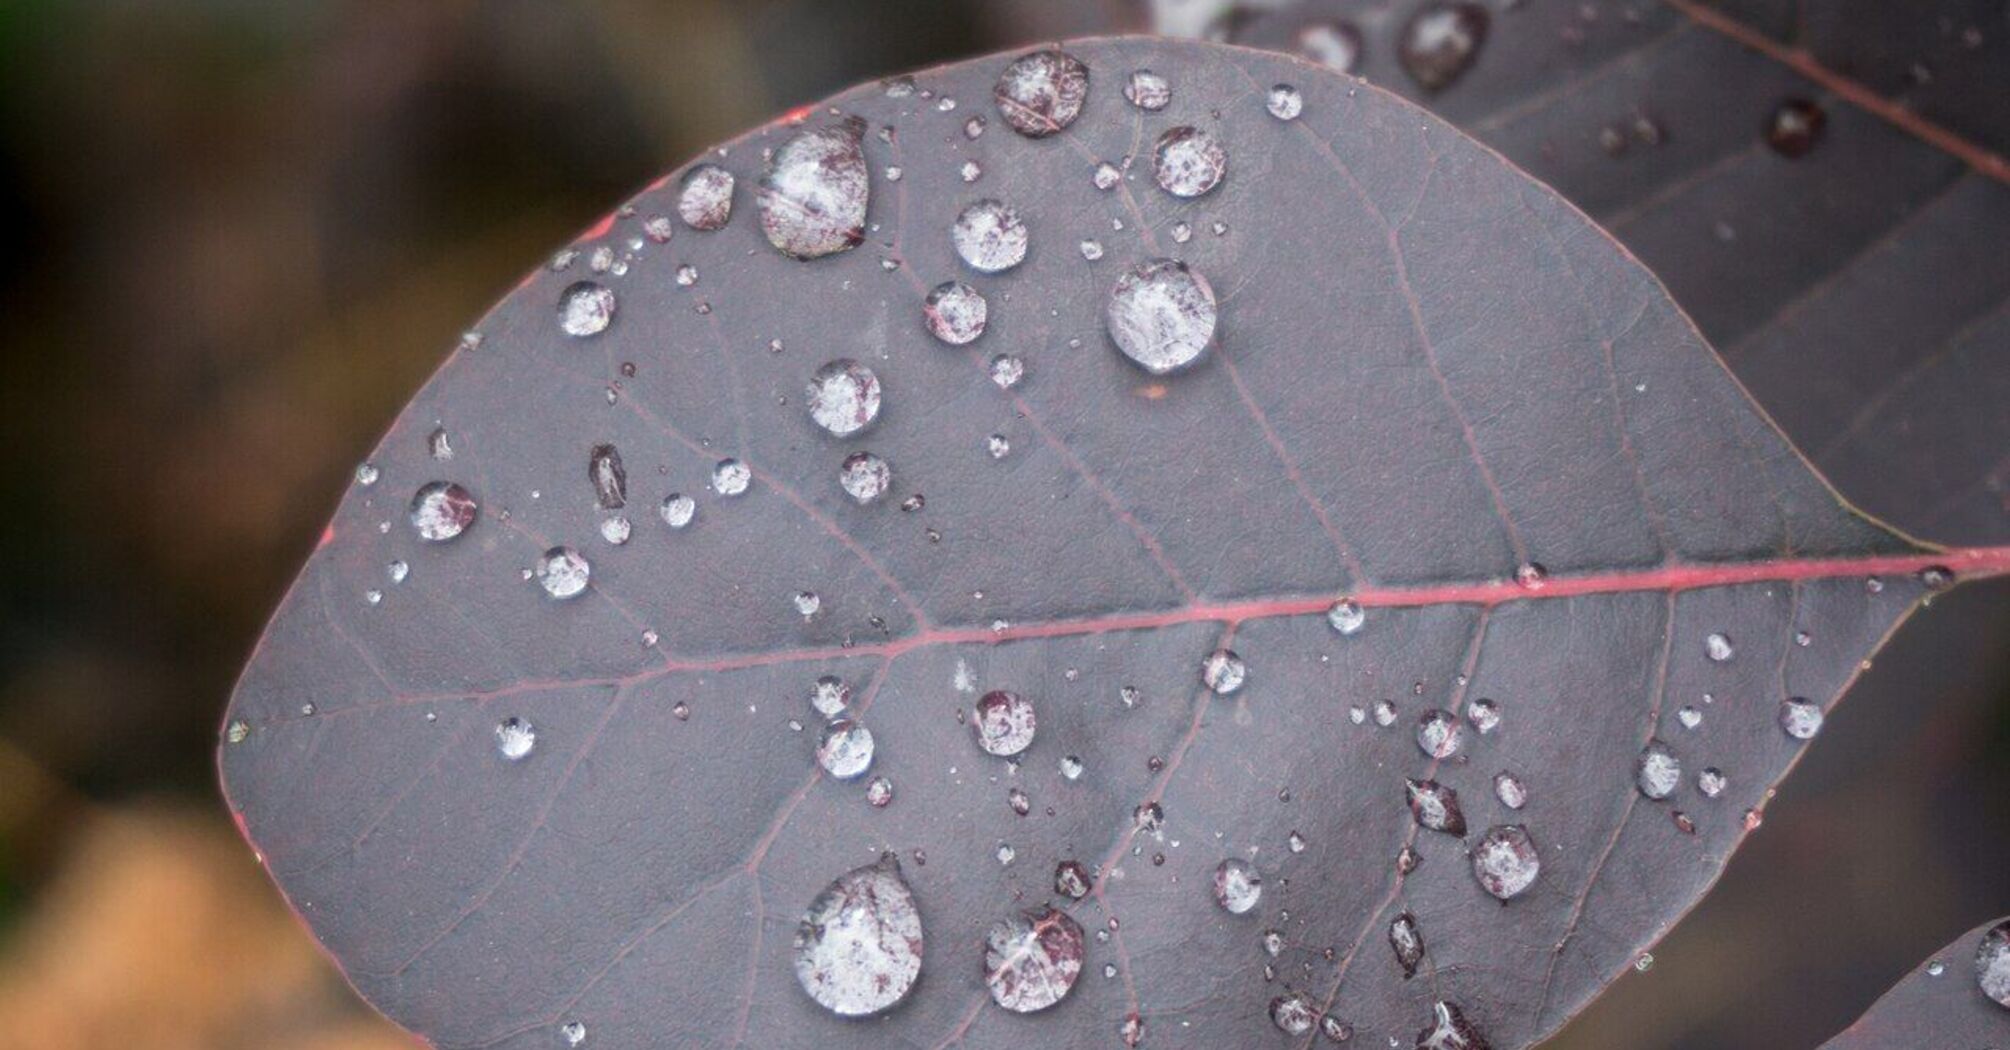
(1428, 374)
(1943, 1002)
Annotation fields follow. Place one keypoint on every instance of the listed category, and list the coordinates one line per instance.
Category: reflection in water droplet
(844, 397)
(1284, 102)
(441, 511)
(515, 737)
(1237, 886)
(585, 309)
(1005, 723)
(990, 236)
(1293, 1014)
(1335, 45)
(1992, 963)
(1438, 733)
(730, 477)
(1223, 671)
(1436, 807)
(1406, 940)
(1188, 162)
(1032, 959)
(1795, 126)
(1505, 861)
(1440, 42)
(859, 944)
(1346, 616)
(955, 313)
(1161, 314)
(865, 477)
(1510, 790)
(706, 200)
(812, 199)
(1042, 92)
(677, 510)
(845, 751)
(562, 572)
(1800, 717)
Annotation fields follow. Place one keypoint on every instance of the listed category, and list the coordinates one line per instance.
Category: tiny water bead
(879, 792)
(705, 202)
(1484, 715)
(1657, 772)
(1505, 861)
(615, 530)
(1438, 734)
(829, 695)
(858, 948)
(1718, 648)
(1406, 940)
(807, 603)
(1284, 102)
(439, 445)
(1293, 1014)
(1335, 45)
(1091, 249)
(1071, 767)
(1237, 886)
(1071, 879)
(1800, 717)
(1007, 370)
(1031, 960)
(1042, 93)
(1436, 807)
(1147, 90)
(1385, 713)
(1020, 802)
(845, 752)
(1509, 789)
(562, 572)
(515, 737)
(585, 309)
(610, 481)
(955, 313)
(1347, 616)
(1992, 964)
(366, 474)
(812, 199)
(844, 397)
(677, 510)
(1711, 782)
(1440, 42)
(236, 731)
(1794, 127)
(573, 1032)
(865, 477)
(989, 236)
(1161, 314)
(1188, 162)
(1223, 671)
(998, 445)
(730, 477)
(441, 511)
(1005, 723)
(1106, 176)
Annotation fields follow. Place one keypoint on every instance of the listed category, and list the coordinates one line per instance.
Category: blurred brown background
(247, 229)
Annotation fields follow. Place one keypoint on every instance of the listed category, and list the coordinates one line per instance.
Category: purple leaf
(1960, 997)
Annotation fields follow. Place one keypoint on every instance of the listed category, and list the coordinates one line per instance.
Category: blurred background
(246, 230)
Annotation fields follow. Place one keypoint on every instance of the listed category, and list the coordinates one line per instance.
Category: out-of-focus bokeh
(246, 230)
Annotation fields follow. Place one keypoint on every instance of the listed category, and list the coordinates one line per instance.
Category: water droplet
(844, 397)
(706, 200)
(1223, 671)
(562, 572)
(730, 477)
(1042, 92)
(1484, 715)
(572, 1032)
(955, 313)
(1237, 886)
(1449, 1030)
(865, 477)
(1006, 854)
(1284, 102)
(1188, 162)
(236, 731)
(1020, 802)
(974, 127)
(1509, 789)
(1795, 126)
(807, 603)
(1657, 772)
(1005, 723)
(1936, 578)
(1032, 959)
(439, 445)
(1071, 767)
(1800, 717)
(1440, 42)
(1992, 963)
(1161, 314)
(1718, 648)
(845, 752)
(1295, 842)
(829, 695)
(990, 236)
(1407, 941)
(1107, 176)
(398, 570)
(1071, 879)
(1148, 817)
(1335, 45)
(1710, 782)
(515, 737)
(1690, 717)
(1505, 861)
(615, 530)
(1148, 91)
(1436, 807)
(1438, 733)
(441, 511)
(1935, 968)
(812, 199)
(1335, 1030)
(1293, 1014)
(1007, 370)
(1272, 942)
(1531, 576)
(1132, 1031)
(366, 474)
(1091, 249)
(859, 944)
(585, 309)
(677, 510)
(610, 481)
(879, 792)
(1385, 713)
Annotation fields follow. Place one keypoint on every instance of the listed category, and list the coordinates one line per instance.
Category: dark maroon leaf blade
(1430, 374)
(1945, 1001)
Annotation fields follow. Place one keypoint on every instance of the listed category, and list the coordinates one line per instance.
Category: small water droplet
(1188, 162)
(1657, 772)
(706, 200)
(879, 792)
(998, 446)
(1484, 715)
(1718, 648)
(1795, 126)
(1438, 734)
(1406, 940)
(1449, 1030)
(441, 511)
(562, 572)
(585, 309)
(1690, 717)
(1505, 861)
(366, 474)
(1436, 807)
(1710, 782)
(572, 1032)
(1237, 886)
(1005, 723)
(1107, 176)
(989, 236)
(1148, 90)
(807, 603)
(610, 481)
(1293, 1014)
(1041, 93)
(812, 200)
(1385, 713)
(1284, 102)
(1091, 249)
(859, 944)
(829, 695)
(615, 530)
(1509, 789)
(955, 313)
(730, 477)
(1071, 767)
(865, 477)
(1440, 42)
(845, 752)
(1071, 879)
(515, 737)
(1161, 314)
(844, 397)
(1007, 370)
(236, 731)
(1031, 960)
(1800, 717)
(677, 510)
(1223, 671)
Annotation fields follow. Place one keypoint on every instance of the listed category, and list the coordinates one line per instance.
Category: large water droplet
(562, 572)
(844, 397)
(1042, 92)
(1436, 807)
(1237, 886)
(1440, 42)
(812, 200)
(1032, 959)
(515, 737)
(1505, 861)
(441, 511)
(1800, 717)
(1223, 671)
(1161, 314)
(1406, 940)
(1657, 772)
(955, 312)
(845, 752)
(1188, 162)
(865, 477)
(610, 481)
(1335, 45)
(990, 236)
(1005, 723)
(706, 200)
(1795, 126)
(1992, 963)
(585, 309)
(858, 947)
